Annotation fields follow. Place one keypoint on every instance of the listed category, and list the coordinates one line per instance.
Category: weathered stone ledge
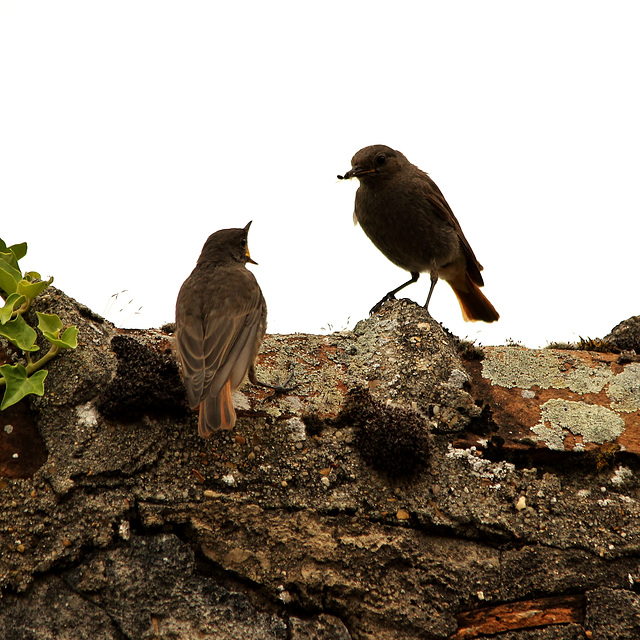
(399, 492)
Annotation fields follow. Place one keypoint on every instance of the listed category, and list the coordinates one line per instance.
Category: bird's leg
(392, 294)
(434, 279)
(277, 388)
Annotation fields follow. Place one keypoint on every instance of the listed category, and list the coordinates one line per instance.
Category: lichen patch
(594, 423)
(526, 368)
(624, 389)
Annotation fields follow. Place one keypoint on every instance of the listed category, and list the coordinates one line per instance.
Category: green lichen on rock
(594, 423)
(525, 368)
(624, 389)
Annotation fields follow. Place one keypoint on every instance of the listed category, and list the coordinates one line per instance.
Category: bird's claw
(278, 387)
(284, 388)
(376, 307)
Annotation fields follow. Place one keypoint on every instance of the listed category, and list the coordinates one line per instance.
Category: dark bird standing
(405, 215)
(221, 319)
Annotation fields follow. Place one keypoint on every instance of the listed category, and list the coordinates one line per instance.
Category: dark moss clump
(146, 382)
(483, 424)
(313, 424)
(391, 439)
(470, 351)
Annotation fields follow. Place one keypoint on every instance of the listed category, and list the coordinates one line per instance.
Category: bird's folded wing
(189, 338)
(229, 345)
(442, 208)
(219, 345)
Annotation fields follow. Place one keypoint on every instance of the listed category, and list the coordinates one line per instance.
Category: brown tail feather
(217, 413)
(473, 303)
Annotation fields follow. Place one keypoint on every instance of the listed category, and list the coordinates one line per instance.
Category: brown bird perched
(405, 215)
(221, 319)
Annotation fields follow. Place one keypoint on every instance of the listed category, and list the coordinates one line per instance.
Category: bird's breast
(401, 223)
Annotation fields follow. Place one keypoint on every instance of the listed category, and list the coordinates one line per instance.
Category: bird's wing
(230, 344)
(189, 339)
(442, 208)
(218, 342)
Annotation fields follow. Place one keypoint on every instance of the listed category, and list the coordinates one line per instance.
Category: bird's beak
(246, 253)
(355, 172)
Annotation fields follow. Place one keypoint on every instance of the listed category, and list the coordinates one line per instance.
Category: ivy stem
(24, 307)
(34, 366)
(38, 364)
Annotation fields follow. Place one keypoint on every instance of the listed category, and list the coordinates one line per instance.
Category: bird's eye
(243, 242)
(381, 159)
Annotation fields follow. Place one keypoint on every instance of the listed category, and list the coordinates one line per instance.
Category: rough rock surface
(313, 519)
(626, 335)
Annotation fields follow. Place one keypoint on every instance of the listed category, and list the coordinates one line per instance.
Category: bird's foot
(278, 387)
(378, 306)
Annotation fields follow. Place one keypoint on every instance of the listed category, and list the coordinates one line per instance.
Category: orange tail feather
(217, 413)
(473, 303)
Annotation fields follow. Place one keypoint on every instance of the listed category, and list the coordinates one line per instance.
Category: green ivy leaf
(32, 289)
(19, 250)
(14, 301)
(19, 291)
(51, 325)
(9, 275)
(9, 256)
(69, 338)
(19, 333)
(19, 384)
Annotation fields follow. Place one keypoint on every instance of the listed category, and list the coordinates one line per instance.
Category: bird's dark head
(374, 162)
(227, 245)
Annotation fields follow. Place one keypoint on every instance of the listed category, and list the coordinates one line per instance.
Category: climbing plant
(17, 292)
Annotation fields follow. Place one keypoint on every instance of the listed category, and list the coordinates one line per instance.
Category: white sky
(131, 130)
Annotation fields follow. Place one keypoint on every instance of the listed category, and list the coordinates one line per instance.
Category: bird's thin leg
(434, 279)
(277, 388)
(392, 294)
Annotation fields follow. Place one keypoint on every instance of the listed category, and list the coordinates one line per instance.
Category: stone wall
(409, 487)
